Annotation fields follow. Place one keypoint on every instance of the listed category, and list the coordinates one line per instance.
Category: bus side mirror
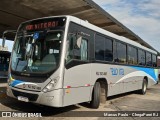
(5, 34)
(79, 41)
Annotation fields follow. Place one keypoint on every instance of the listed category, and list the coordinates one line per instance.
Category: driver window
(74, 52)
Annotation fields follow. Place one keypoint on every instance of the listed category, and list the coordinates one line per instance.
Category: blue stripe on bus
(15, 82)
(149, 71)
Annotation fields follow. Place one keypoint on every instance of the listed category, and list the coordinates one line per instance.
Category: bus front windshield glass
(37, 52)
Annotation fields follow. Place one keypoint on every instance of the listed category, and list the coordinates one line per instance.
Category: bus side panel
(104, 71)
(134, 83)
(122, 78)
(77, 87)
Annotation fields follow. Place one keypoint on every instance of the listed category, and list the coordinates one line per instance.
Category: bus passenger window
(141, 57)
(132, 55)
(108, 50)
(148, 59)
(120, 53)
(154, 60)
(99, 47)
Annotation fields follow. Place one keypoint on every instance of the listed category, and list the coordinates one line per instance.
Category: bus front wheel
(95, 102)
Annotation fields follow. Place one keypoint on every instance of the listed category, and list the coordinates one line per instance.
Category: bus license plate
(21, 98)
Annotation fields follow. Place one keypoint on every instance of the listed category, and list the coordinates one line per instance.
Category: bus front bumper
(52, 98)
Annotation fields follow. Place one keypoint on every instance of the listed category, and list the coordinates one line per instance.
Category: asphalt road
(125, 102)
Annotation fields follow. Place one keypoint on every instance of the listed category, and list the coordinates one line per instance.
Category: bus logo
(117, 71)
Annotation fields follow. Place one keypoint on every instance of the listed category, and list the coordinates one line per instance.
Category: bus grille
(31, 97)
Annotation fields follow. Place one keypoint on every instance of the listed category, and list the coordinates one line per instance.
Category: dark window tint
(108, 50)
(154, 60)
(132, 55)
(99, 47)
(141, 57)
(120, 53)
(148, 59)
(103, 49)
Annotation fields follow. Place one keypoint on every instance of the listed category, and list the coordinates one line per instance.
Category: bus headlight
(51, 85)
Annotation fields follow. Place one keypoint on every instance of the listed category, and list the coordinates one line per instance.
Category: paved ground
(126, 102)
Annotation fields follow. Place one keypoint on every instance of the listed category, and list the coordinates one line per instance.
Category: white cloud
(153, 7)
(142, 17)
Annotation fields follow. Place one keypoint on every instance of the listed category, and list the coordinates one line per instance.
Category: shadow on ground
(45, 110)
(30, 107)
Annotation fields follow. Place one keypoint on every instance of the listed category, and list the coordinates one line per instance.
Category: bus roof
(100, 30)
(105, 32)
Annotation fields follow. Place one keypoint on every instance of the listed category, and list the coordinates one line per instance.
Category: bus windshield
(37, 52)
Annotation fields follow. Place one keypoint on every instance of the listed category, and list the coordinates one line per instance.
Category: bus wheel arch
(102, 95)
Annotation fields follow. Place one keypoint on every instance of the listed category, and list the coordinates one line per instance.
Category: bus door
(77, 67)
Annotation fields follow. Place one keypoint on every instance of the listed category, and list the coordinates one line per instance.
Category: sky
(140, 16)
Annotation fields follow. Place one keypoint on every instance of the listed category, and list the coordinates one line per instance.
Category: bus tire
(95, 102)
(144, 87)
(158, 78)
(157, 82)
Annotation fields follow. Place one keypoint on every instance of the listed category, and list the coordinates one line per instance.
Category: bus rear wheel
(95, 102)
(144, 87)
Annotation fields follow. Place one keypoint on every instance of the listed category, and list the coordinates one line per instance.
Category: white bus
(63, 60)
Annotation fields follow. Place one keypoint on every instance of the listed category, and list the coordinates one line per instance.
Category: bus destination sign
(41, 24)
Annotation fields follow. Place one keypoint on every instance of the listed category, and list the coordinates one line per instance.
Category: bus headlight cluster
(51, 85)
